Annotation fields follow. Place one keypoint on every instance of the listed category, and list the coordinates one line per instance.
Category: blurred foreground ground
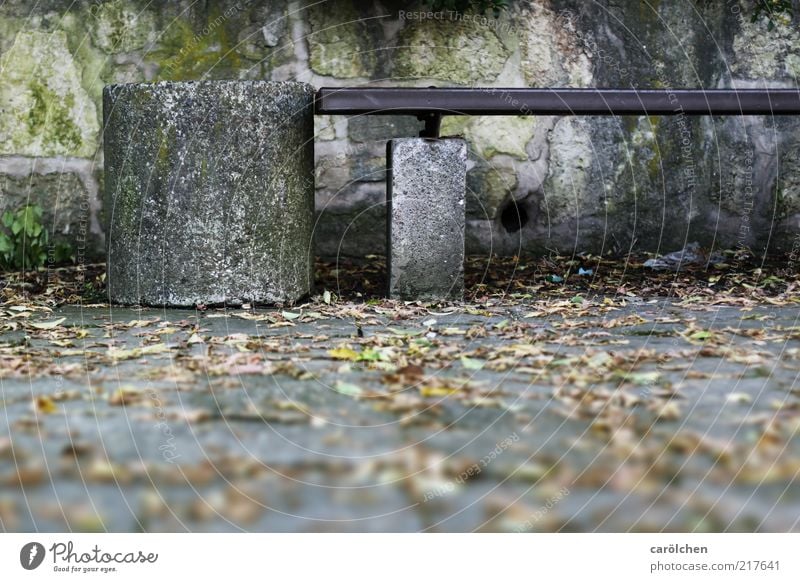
(621, 400)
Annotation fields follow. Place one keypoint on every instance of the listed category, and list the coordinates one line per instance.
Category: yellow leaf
(45, 405)
(343, 354)
(435, 391)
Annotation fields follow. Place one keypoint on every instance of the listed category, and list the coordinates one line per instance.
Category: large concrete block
(209, 192)
(426, 187)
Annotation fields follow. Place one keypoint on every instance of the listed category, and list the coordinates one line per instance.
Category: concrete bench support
(209, 192)
(426, 188)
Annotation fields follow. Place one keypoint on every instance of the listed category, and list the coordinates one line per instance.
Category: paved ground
(604, 413)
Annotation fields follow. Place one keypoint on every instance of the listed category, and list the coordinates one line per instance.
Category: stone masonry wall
(534, 183)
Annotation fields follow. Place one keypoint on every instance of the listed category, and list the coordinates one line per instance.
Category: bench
(210, 185)
(425, 183)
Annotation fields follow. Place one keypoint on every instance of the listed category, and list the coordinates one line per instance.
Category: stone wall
(534, 184)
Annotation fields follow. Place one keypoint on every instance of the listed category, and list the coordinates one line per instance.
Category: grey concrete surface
(426, 196)
(639, 417)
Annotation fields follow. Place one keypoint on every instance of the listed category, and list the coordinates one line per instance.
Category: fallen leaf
(348, 389)
(343, 354)
(53, 323)
(436, 391)
(125, 396)
(45, 405)
(738, 398)
(471, 364)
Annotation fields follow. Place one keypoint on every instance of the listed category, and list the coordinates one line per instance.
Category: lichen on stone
(97, 68)
(46, 110)
(489, 188)
(264, 31)
(760, 53)
(190, 52)
(119, 26)
(339, 42)
(568, 176)
(454, 51)
(551, 53)
(324, 128)
(491, 136)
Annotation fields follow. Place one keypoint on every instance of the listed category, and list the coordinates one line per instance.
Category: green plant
(480, 6)
(24, 244)
(63, 253)
(774, 10)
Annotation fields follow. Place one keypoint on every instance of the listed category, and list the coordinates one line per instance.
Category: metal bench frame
(430, 104)
(419, 202)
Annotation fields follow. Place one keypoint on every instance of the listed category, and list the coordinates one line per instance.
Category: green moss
(128, 206)
(339, 43)
(654, 166)
(166, 144)
(50, 117)
(454, 125)
(630, 123)
(188, 55)
(37, 116)
(162, 159)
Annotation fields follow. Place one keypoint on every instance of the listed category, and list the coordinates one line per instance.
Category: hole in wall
(514, 217)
